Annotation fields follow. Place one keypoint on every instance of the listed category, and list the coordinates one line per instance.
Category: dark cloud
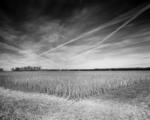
(20, 11)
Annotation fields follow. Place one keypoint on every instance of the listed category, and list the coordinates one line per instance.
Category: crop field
(124, 95)
(74, 84)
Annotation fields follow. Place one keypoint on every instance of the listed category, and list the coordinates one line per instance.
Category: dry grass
(28, 106)
(77, 85)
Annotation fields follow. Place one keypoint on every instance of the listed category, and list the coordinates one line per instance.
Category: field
(75, 95)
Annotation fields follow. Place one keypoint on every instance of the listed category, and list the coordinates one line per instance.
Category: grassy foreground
(15, 105)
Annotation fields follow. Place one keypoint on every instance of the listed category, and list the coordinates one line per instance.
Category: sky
(74, 34)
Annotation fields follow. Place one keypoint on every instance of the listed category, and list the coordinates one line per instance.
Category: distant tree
(26, 68)
(1, 69)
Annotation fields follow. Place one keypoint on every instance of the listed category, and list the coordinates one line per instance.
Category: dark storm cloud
(35, 30)
(15, 12)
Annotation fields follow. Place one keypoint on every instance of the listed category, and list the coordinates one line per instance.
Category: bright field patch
(43, 107)
(28, 106)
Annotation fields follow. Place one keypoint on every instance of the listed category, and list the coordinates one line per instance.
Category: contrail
(81, 36)
(112, 22)
(129, 37)
(118, 29)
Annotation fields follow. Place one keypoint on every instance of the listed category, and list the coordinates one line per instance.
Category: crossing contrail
(97, 46)
(112, 22)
